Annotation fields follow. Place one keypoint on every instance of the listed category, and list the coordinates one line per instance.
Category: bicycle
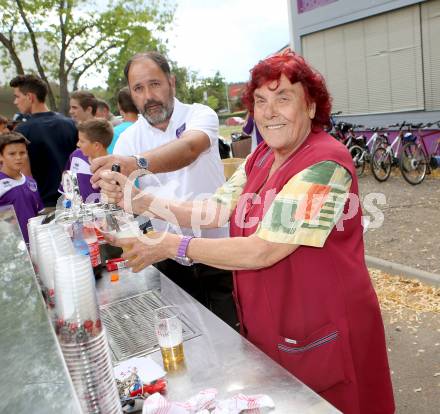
(361, 154)
(331, 129)
(385, 157)
(350, 139)
(416, 161)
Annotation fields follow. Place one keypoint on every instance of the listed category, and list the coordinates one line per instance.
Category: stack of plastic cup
(82, 337)
(52, 242)
(75, 294)
(32, 225)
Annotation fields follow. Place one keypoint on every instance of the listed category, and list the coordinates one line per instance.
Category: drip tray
(130, 325)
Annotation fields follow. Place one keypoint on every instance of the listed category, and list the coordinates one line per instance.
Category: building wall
(322, 14)
(381, 59)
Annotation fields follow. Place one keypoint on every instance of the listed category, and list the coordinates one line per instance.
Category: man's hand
(119, 190)
(128, 165)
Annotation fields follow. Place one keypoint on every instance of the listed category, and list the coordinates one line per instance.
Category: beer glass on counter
(168, 328)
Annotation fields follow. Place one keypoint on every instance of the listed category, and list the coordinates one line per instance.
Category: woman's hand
(145, 250)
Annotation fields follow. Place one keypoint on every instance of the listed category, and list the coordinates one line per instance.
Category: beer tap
(73, 208)
(70, 205)
(112, 209)
(72, 195)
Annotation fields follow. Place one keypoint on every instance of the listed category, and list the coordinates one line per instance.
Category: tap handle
(116, 168)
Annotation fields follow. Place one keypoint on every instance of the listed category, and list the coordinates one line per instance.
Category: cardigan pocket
(316, 360)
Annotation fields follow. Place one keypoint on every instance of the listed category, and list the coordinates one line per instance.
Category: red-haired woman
(303, 292)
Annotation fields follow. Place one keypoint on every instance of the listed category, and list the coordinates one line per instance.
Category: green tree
(70, 37)
(211, 91)
(185, 80)
(140, 40)
(212, 102)
(215, 88)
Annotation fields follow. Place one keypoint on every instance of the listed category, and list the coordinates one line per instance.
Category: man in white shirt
(179, 144)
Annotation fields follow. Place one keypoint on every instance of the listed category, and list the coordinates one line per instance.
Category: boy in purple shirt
(250, 128)
(94, 137)
(15, 188)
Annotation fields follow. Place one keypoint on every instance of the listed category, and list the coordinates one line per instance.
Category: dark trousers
(212, 287)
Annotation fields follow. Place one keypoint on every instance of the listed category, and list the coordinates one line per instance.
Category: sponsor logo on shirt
(180, 130)
(80, 166)
(6, 184)
(32, 186)
(75, 166)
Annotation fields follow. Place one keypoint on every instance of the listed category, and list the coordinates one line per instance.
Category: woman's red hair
(296, 69)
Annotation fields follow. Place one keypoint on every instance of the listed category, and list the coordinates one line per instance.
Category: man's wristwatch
(141, 162)
(181, 256)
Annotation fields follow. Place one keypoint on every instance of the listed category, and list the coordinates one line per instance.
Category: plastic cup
(75, 300)
(92, 375)
(52, 242)
(91, 345)
(168, 328)
(32, 224)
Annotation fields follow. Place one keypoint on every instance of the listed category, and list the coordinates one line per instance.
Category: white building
(381, 58)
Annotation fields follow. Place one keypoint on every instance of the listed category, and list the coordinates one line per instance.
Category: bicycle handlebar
(346, 126)
(400, 126)
(414, 126)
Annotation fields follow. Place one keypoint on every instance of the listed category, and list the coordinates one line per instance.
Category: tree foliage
(185, 78)
(68, 38)
(191, 88)
(216, 91)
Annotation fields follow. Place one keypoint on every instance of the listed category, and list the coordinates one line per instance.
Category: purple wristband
(183, 246)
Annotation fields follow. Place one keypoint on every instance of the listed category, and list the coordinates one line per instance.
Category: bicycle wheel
(357, 155)
(381, 141)
(381, 164)
(413, 163)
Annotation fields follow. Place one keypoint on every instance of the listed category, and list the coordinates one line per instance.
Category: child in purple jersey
(250, 128)
(15, 188)
(94, 137)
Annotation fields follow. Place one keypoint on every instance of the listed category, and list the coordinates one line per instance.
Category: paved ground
(410, 235)
(414, 357)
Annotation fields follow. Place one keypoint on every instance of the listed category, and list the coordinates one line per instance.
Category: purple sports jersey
(249, 127)
(23, 195)
(79, 164)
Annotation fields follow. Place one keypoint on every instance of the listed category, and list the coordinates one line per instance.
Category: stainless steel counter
(34, 378)
(220, 357)
(33, 375)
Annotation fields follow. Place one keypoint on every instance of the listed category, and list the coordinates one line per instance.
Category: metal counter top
(34, 378)
(220, 357)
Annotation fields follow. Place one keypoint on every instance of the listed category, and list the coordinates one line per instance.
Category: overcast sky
(227, 35)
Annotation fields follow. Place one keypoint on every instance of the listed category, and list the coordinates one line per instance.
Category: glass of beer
(128, 228)
(168, 328)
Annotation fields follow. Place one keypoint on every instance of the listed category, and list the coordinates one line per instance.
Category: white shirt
(198, 180)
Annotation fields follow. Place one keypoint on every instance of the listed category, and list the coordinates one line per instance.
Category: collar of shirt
(7, 183)
(42, 114)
